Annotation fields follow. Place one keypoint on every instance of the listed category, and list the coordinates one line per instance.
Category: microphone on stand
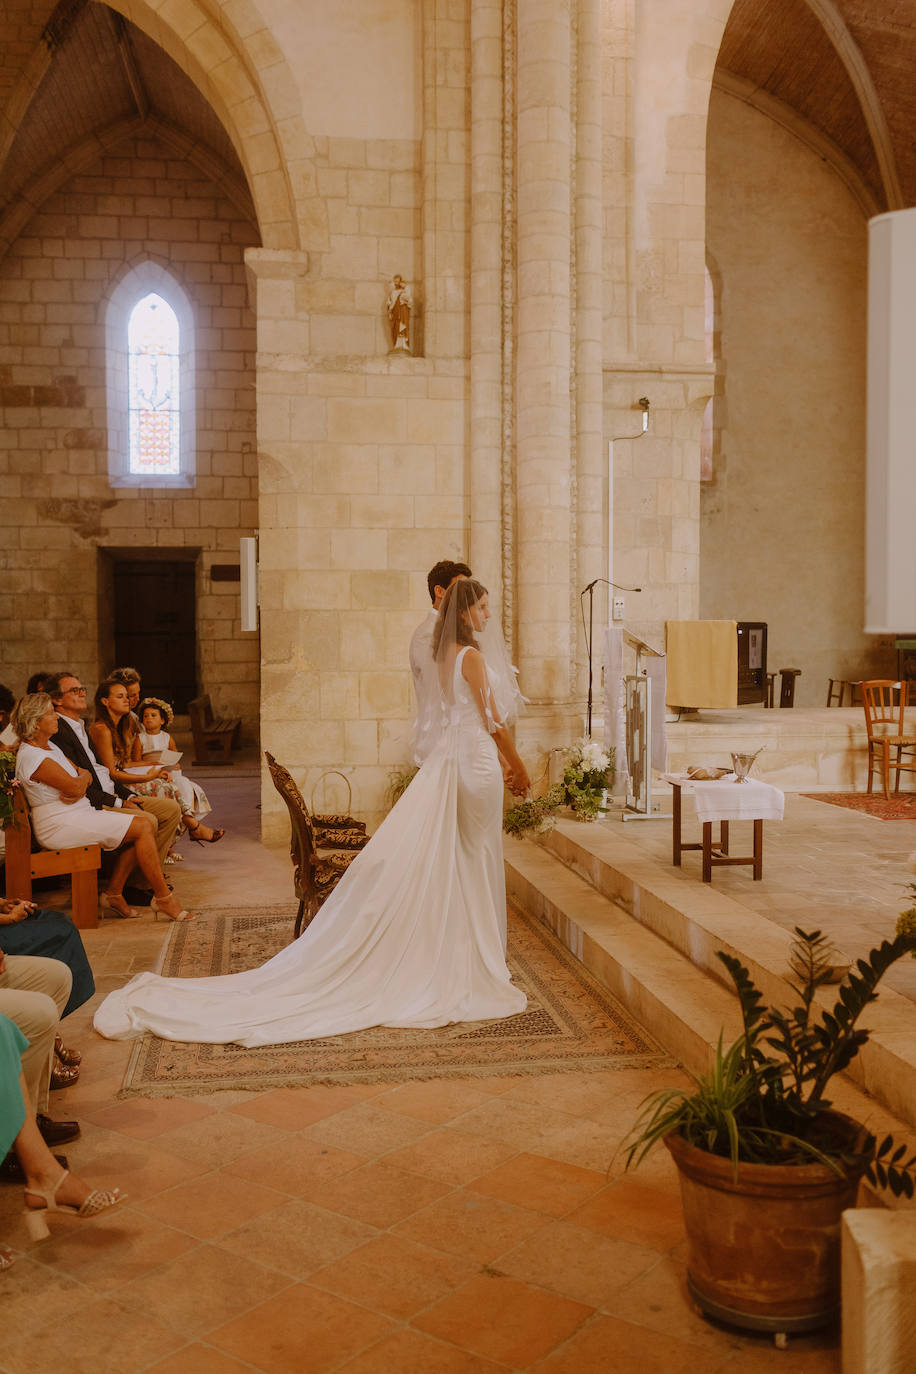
(590, 590)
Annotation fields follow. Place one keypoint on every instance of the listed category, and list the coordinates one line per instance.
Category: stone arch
(256, 101)
(84, 153)
(841, 39)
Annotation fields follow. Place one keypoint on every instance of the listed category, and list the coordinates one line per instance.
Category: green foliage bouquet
(906, 921)
(7, 784)
(531, 815)
(588, 774)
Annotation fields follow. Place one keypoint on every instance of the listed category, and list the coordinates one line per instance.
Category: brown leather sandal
(64, 1075)
(64, 1054)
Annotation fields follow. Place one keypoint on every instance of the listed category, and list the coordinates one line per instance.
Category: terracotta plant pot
(764, 1251)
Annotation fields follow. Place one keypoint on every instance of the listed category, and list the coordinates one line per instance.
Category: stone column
(591, 461)
(444, 162)
(543, 355)
(274, 279)
(485, 541)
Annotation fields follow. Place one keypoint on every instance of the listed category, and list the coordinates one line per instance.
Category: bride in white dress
(414, 934)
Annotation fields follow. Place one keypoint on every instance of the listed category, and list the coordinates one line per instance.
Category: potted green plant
(766, 1164)
(906, 921)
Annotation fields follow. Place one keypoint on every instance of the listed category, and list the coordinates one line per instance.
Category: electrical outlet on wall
(619, 608)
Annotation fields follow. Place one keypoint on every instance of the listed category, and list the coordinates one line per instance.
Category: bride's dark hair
(465, 592)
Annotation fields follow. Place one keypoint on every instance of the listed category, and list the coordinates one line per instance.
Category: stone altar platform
(806, 749)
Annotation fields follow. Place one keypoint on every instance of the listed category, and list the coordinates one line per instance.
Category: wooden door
(154, 629)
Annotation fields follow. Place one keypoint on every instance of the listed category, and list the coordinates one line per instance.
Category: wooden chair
(22, 865)
(209, 732)
(837, 687)
(315, 875)
(884, 703)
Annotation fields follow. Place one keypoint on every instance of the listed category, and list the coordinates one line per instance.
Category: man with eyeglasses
(72, 738)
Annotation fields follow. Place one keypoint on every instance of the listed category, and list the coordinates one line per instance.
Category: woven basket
(336, 821)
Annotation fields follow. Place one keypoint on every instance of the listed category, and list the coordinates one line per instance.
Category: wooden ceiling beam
(129, 63)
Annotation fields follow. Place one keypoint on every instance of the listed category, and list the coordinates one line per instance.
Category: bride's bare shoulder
(472, 665)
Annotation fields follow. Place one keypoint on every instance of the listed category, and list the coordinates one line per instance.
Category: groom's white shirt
(426, 687)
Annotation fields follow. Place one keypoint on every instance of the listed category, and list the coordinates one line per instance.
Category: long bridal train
(413, 935)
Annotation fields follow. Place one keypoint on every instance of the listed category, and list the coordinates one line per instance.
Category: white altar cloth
(726, 799)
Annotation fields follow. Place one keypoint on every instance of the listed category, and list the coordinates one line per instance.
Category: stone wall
(783, 517)
(140, 201)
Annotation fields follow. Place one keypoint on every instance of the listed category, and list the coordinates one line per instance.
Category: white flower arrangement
(589, 772)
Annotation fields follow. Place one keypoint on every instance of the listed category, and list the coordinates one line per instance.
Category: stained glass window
(152, 347)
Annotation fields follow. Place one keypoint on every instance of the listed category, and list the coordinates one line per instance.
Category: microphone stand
(590, 590)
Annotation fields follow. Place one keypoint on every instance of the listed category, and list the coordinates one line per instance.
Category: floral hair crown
(161, 706)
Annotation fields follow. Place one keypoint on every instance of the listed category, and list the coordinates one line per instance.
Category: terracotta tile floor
(469, 1227)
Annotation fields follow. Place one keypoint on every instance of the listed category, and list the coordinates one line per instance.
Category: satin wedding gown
(413, 935)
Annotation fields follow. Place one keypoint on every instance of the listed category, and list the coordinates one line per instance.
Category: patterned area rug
(571, 1022)
(896, 808)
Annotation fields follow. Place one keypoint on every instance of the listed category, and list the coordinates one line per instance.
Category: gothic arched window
(154, 389)
(149, 335)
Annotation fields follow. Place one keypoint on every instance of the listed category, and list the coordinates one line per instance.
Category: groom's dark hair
(444, 573)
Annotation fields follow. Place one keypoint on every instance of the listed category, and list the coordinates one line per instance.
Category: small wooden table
(713, 856)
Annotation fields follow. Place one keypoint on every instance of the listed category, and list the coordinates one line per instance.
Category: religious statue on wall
(399, 305)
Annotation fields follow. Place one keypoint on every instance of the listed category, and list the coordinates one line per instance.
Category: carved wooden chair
(315, 875)
(885, 703)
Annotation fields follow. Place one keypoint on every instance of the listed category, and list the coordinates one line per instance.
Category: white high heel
(158, 911)
(99, 1200)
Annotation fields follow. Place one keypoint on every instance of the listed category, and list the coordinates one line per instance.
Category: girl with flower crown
(151, 740)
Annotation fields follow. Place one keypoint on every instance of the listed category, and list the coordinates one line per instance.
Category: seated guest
(113, 736)
(72, 738)
(7, 702)
(33, 993)
(63, 817)
(152, 739)
(36, 683)
(129, 678)
(28, 929)
(47, 1188)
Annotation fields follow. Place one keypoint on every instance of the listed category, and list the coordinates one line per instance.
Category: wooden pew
(208, 731)
(22, 865)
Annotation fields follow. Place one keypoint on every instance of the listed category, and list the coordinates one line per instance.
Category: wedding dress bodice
(463, 710)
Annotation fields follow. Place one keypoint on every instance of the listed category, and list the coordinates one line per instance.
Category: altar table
(724, 800)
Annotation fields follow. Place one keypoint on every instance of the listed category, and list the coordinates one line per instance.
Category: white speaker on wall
(248, 560)
(890, 520)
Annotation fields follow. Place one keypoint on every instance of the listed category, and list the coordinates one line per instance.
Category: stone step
(695, 920)
(679, 1004)
(684, 1007)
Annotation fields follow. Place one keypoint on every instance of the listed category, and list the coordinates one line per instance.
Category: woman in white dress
(414, 933)
(62, 817)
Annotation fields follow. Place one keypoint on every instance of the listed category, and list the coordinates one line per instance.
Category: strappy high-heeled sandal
(64, 1075)
(212, 838)
(99, 1200)
(115, 903)
(65, 1054)
(158, 911)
